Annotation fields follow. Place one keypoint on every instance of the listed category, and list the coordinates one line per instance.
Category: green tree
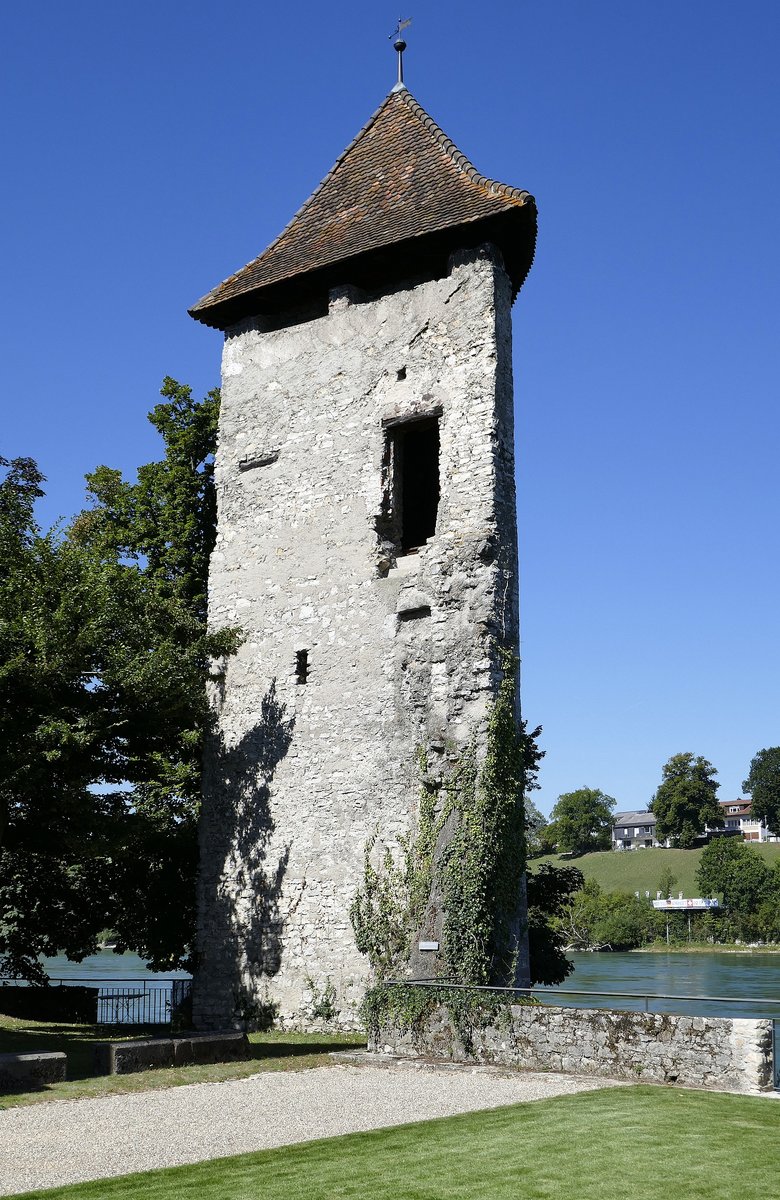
(583, 820)
(58, 737)
(593, 919)
(532, 758)
(733, 869)
(549, 892)
(165, 522)
(535, 824)
(763, 786)
(103, 707)
(160, 531)
(667, 883)
(686, 801)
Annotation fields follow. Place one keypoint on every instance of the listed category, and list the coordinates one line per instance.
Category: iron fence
(107, 1001)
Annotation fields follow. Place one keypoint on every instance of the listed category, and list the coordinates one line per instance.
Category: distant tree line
(684, 805)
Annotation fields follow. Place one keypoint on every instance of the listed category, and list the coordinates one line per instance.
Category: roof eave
(513, 230)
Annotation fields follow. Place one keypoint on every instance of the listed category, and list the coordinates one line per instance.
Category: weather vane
(400, 45)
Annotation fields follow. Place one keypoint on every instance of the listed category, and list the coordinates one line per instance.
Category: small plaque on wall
(427, 945)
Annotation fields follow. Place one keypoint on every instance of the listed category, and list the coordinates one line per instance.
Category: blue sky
(152, 149)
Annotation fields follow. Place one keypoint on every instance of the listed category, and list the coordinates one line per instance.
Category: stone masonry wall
(401, 651)
(714, 1052)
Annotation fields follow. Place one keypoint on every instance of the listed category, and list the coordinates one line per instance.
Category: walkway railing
(626, 1001)
(111, 1001)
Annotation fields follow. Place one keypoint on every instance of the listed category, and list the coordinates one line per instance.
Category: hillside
(640, 870)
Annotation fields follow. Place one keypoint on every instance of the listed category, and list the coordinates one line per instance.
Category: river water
(127, 992)
(738, 979)
(107, 967)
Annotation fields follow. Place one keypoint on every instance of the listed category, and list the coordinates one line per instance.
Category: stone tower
(366, 546)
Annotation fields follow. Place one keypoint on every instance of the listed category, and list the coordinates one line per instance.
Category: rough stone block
(230, 1046)
(27, 1072)
(124, 1058)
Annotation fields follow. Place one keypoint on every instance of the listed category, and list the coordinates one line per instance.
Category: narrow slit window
(415, 614)
(413, 483)
(301, 666)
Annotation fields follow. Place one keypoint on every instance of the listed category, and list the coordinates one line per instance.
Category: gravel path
(69, 1141)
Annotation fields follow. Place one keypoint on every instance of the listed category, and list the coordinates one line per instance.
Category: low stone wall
(27, 1072)
(124, 1058)
(714, 1052)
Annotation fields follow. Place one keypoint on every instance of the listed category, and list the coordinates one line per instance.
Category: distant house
(737, 818)
(634, 831)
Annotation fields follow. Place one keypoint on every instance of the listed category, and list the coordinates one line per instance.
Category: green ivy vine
(478, 875)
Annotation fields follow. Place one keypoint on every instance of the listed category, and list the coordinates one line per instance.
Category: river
(740, 978)
(107, 967)
(737, 978)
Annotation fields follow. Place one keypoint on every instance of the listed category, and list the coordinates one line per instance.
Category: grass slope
(640, 870)
(269, 1052)
(639, 1142)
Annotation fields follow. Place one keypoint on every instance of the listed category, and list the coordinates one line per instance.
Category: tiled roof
(744, 806)
(401, 178)
(641, 817)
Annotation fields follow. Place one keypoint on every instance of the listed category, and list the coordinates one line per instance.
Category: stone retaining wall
(714, 1052)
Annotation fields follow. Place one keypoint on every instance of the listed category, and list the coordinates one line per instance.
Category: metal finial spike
(399, 45)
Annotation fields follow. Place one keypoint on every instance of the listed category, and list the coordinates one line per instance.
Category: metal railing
(630, 1002)
(124, 1001)
(139, 1002)
(627, 1001)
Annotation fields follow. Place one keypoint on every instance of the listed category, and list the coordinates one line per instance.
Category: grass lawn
(270, 1052)
(640, 1143)
(640, 870)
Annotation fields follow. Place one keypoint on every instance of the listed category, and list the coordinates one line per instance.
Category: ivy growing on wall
(478, 874)
(482, 865)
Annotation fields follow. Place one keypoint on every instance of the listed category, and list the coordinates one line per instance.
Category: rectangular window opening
(415, 614)
(301, 666)
(411, 483)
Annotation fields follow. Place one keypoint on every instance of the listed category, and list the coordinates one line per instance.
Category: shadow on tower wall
(241, 873)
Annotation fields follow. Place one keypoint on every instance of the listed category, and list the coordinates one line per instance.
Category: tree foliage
(535, 825)
(763, 786)
(104, 656)
(667, 882)
(549, 892)
(686, 801)
(581, 821)
(732, 869)
(594, 919)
